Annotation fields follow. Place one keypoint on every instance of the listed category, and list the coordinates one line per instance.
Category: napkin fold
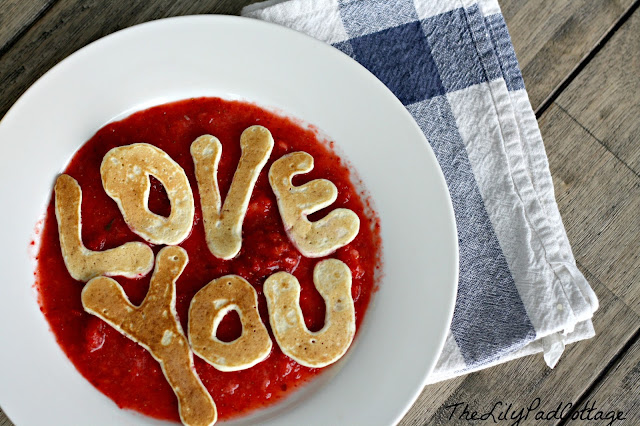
(452, 64)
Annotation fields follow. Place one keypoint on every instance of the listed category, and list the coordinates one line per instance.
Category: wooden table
(581, 65)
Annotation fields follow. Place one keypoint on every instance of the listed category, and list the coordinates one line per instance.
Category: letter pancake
(313, 239)
(125, 177)
(129, 260)
(223, 229)
(155, 326)
(332, 279)
(207, 309)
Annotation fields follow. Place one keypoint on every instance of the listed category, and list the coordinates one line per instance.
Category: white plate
(234, 58)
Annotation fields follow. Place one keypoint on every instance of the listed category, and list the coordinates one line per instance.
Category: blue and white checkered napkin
(452, 64)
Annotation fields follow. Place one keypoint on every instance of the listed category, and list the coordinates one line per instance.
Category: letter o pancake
(125, 174)
(208, 308)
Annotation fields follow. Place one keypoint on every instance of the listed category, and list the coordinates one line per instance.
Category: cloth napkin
(452, 64)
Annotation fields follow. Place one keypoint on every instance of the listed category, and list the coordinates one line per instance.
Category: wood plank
(619, 391)
(432, 397)
(72, 24)
(16, 16)
(4, 420)
(599, 198)
(551, 37)
(603, 100)
(604, 97)
(584, 171)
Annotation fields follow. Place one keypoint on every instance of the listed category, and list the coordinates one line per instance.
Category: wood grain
(72, 24)
(551, 37)
(619, 390)
(599, 199)
(4, 420)
(580, 166)
(604, 97)
(16, 16)
(603, 100)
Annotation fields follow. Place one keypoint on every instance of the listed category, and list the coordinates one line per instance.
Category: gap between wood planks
(624, 163)
(615, 360)
(17, 36)
(601, 376)
(584, 61)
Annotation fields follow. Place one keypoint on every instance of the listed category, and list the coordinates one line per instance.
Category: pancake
(332, 279)
(223, 223)
(208, 308)
(155, 326)
(312, 239)
(129, 260)
(125, 174)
